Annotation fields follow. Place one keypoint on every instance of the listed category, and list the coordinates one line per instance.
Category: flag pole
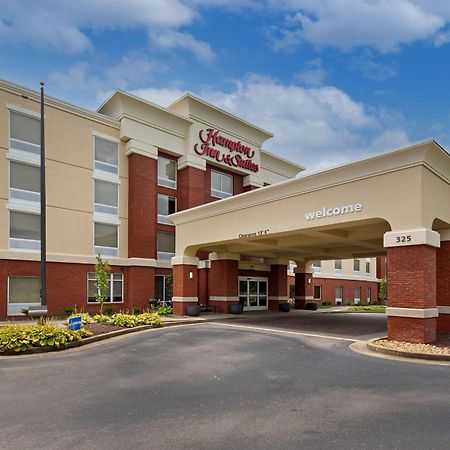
(43, 209)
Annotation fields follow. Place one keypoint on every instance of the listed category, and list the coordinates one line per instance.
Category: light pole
(43, 209)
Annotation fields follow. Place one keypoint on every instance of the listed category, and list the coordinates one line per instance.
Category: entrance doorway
(253, 293)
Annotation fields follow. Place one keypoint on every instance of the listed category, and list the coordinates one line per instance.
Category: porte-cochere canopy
(396, 203)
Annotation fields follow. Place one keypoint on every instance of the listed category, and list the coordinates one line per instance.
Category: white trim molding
(184, 260)
(415, 313)
(215, 298)
(283, 298)
(419, 236)
(224, 256)
(443, 309)
(185, 299)
(304, 297)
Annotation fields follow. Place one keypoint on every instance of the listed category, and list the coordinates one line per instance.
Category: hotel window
(163, 288)
(24, 133)
(167, 172)
(24, 231)
(166, 206)
(317, 292)
(106, 197)
(106, 239)
(23, 292)
(356, 265)
(367, 267)
(338, 295)
(166, 245)
(317, 266)
(24, 182)
(369, 295)
(106, 155)
(114, 291)
(357, 298)
(221, 184)
(338, 265)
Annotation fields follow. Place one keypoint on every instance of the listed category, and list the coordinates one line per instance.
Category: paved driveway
(214, 386)
(358, 326)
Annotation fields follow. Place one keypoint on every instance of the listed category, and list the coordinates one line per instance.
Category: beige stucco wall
(328, 270)
(396, 187)
(70, 183)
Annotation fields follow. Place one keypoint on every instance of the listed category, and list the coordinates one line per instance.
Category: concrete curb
(387, 351)
(97, 338)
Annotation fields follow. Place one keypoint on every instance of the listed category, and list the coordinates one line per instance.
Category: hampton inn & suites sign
(225, 150)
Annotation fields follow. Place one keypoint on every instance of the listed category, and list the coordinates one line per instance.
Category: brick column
(411, 278)
(304, 290)
(191, 187)
(185, 283)
(443, 286)
(142, 204)
(278, 286)
(223, 280)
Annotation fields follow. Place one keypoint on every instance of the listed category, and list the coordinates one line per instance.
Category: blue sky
(334, 80)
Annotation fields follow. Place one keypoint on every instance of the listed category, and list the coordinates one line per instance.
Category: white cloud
(171, 39)
(314, 126)
(314, 75)
(49, 24)
(373, 69)
(384, 25)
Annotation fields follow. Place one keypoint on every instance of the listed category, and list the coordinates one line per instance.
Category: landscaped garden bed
(440, 349)
(45, 336)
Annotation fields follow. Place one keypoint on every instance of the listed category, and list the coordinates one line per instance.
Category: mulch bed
(440, 347)
(101, 328)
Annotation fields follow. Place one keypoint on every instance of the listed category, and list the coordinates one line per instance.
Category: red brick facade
(223, 282)
(67, 285)
(443, 285)
(142, 204)
(278, 285)
(184, 285)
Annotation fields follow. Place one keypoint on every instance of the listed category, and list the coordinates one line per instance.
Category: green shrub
(326, 303)
(349, 304)
(136, 310)
(162, 310)
(101, 318)
(18, 338)
(150, 319)
(69, 311)
(124, 320)
(108, 310)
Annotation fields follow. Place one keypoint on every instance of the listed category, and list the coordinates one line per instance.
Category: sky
(333, 80)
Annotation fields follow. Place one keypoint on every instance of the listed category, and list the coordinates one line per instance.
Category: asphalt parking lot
(222, 386)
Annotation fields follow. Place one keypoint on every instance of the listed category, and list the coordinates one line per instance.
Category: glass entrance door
(253, 293)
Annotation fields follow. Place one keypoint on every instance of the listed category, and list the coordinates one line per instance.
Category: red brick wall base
(180, 308)
(443, 323)
(409, 329)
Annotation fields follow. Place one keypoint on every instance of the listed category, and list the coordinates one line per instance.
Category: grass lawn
(367, 308)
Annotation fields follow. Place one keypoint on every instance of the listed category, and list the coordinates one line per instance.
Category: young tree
(102, 270)
(382, 293)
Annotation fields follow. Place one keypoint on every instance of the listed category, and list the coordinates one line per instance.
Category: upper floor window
(106, 239)
(338, 265)
(24, 182)
(24, 231)
(356, 265)
(166, 245)
(25, 133)
(167, 172)
(221, 184)
(367, 266)
(166, 206)
(106, 155)
(106, 197)
(317, 266)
